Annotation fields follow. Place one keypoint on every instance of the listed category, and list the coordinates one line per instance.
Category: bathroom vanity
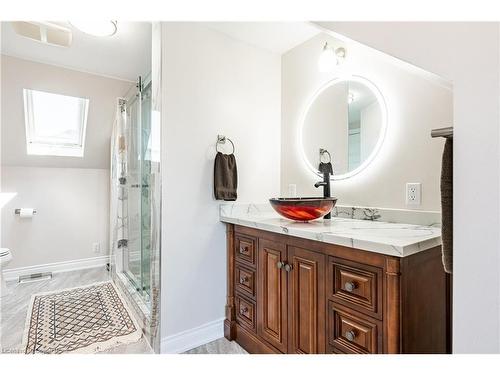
(334, 286)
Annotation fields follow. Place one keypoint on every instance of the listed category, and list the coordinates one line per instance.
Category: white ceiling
(125, 55)
(277, 37)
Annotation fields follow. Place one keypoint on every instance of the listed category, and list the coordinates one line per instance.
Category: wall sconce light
(330, 57)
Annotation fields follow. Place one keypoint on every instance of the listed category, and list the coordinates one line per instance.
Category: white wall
(70, 194)
(72, 213)
(439, 47)
(18, 74)
(211, 84)
(416, 103)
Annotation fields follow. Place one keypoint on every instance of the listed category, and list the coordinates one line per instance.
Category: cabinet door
(271, 294)
(306, 301)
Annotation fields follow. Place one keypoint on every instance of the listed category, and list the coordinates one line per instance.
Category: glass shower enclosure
(135, 202)
(137, 253)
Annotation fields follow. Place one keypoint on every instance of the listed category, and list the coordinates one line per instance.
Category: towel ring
(221, 140)
(322, 152)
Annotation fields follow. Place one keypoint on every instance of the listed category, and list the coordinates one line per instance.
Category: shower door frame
(138, 284)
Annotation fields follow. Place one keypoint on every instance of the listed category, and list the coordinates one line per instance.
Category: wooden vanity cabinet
(272, 319)
(292, 295)
(306, 301)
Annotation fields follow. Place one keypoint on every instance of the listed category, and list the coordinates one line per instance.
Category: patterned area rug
(79, 320)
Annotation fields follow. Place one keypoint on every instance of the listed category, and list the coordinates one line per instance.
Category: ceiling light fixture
(96, 28)
(330, 57)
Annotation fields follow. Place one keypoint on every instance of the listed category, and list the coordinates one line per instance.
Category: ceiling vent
(44, 32)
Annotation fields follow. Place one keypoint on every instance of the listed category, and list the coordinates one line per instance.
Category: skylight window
(55, 124)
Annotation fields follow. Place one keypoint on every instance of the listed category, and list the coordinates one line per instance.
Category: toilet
(5, 258)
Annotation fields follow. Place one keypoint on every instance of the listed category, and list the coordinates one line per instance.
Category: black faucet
(326, 189)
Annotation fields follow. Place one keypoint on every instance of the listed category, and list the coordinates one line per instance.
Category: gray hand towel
(225, 177)
(447, 205)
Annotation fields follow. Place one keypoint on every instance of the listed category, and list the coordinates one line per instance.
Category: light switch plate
(413, 194)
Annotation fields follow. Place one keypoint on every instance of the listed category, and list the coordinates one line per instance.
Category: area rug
(86, 319)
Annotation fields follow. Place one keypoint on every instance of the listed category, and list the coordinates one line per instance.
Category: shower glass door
(137, 256)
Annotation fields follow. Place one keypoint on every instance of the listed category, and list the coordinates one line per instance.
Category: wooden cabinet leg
(230, 321)
(392, 330)
(229, 330)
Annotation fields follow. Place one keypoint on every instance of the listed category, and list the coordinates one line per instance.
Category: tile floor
(220, 346)
(14, 308)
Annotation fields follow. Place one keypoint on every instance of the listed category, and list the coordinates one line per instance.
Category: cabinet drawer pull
(280, 264)
(350, 286)
(243, 310)
(243, 279)
(288, 267)
(350, 335)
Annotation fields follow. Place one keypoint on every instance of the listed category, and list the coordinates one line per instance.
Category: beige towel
(447, 205)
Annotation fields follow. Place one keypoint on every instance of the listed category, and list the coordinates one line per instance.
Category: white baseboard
(71, 265)
(192, 338)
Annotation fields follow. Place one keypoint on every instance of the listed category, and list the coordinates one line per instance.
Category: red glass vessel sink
(303, 209)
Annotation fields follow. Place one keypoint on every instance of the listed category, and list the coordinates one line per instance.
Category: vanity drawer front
(356, 285)
(244, 280)
(245, 249)
(352, 333)
(245, 312)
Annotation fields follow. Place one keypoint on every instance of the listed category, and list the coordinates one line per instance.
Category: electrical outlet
(413, 193)
(96, 246)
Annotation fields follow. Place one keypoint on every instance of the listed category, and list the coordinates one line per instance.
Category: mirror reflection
(345, 119)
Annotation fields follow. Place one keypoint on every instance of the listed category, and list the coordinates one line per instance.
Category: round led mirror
(345, 122)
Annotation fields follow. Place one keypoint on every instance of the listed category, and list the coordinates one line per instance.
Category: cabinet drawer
(353, 333)
(245, 312)
(245, 249)
(358, 286)
(244, 280)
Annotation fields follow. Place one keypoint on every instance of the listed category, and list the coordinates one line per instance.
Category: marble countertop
(394, 239)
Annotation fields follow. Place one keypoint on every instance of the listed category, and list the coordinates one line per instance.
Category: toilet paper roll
(26, 213)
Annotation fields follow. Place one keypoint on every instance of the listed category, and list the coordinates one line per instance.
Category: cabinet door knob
(243, 249)
(280, 264)
(350, 286)
(350, 335)
(243, 279)
(243, 310)
(288, 267)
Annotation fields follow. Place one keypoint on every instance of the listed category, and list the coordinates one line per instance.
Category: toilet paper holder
(17, 211)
